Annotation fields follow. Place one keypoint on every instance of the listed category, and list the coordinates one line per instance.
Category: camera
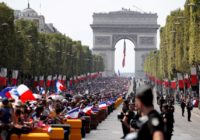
(134, 123)
(120, 116)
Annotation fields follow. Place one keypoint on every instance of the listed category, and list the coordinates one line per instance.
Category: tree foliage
(179, 43)
(34, 53)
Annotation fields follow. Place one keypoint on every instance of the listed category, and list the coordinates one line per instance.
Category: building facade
(32, 15)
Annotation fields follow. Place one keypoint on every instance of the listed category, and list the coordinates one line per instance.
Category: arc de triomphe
(109, 28)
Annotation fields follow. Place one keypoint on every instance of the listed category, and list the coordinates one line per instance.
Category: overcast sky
(73, 17)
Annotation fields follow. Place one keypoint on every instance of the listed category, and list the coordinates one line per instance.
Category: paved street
(110, 129)
(185, 130)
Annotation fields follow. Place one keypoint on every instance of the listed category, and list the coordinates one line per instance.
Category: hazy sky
(73, 17)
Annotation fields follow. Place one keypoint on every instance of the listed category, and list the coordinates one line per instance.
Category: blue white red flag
(13, 93)
(42, 91)
(10, 92)
(60, 87)
(88, 110)
(25, 93)
(5, 91)
(110, 102)
(95, 110)
(102, 105)
(73, 114)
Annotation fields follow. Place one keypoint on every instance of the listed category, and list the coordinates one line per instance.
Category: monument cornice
(94, 26)
(145, 49)
(103, 49)
(126, 12)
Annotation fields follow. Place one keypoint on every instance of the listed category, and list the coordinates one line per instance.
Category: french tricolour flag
(95, 110)
(25, 93)
(13, 93)
(110, 102)
(59, 87)
(42, 91)
(4, 92)
(73, 114)
(10, 92)
(102, 105)
(88, 110)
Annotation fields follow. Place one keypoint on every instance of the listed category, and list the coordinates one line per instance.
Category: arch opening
(129, 65)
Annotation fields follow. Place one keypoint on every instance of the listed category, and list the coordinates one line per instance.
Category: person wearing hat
(152, 126)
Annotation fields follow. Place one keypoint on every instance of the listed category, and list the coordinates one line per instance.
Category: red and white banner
(173, 84)
(3, 72)
(3, 79)
(187, 83)
(55, 77)
(180, 80)
(63, 79)
(166, 83)
(59, 77)
(75, 79)
(179, 76)
(71, 81)
(14, 77)
(41, 81)
(49, 79)
(193, 70)
(194, 79)
(35, 84)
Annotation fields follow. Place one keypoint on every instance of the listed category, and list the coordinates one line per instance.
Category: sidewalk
(196, 111)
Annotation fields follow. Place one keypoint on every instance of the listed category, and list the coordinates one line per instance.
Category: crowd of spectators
(18, 117)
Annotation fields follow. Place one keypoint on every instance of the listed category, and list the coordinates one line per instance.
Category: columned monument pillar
(109, 28)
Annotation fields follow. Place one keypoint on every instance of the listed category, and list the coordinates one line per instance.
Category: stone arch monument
(109, 28)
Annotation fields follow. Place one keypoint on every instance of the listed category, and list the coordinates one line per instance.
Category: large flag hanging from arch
(124, 52)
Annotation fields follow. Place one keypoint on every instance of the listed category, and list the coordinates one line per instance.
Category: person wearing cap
(152, 126)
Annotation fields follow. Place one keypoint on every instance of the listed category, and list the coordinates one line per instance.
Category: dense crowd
(22, 117)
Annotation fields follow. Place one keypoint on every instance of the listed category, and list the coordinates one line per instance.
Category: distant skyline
(73, 17)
